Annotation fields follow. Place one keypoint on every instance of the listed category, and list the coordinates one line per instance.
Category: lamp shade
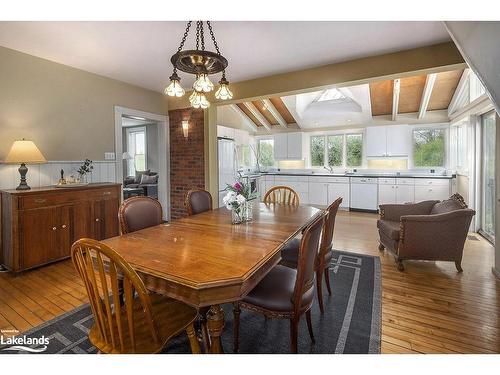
(24, 152)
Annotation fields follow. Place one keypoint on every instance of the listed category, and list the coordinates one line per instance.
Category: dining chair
(137, 213)
(286, 293)
(282, 195)
(290, 253)
(198, 201)
(143, 323)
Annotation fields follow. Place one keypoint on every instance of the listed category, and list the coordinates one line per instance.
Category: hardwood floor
(429, 308)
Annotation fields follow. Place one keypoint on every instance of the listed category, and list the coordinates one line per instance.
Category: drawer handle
(97, 220)
(38, 200)
(54, 228)
(63, 226)
(106, 193)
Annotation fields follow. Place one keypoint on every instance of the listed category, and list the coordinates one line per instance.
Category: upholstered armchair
(428, 230)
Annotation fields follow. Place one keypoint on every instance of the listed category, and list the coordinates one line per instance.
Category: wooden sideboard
(39, 226)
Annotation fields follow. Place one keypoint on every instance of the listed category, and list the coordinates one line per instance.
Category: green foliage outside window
(266, 152)
(317, 151)
(354, 145)
(428, 148)
(335, 146)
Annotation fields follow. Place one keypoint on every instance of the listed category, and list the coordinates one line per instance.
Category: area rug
(351, 322)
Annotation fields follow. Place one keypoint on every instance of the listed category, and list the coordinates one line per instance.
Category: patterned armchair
(428, 230)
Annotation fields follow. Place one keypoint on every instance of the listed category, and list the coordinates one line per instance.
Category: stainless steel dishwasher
(364, 194)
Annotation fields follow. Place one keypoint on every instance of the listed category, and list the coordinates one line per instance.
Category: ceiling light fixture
(201, 63)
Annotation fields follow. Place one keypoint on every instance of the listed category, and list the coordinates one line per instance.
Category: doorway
(143, 149)
(488, 176)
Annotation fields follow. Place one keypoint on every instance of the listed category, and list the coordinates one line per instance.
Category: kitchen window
(429, 148)
(266, 152)
(336, 150)
(136, 148)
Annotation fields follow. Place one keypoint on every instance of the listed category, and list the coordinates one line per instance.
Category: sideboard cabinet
(39, 226)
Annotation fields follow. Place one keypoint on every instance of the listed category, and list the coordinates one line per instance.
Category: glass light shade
(199, 100)
(24, 152)
(185, 128)
(174, 88)
(203, 83)
(223, 93)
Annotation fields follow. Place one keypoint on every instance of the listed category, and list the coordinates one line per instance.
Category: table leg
(215, 323)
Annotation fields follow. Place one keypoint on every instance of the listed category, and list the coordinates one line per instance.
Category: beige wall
(67, 112)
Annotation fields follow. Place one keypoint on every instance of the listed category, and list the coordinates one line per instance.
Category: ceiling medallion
(201, 63)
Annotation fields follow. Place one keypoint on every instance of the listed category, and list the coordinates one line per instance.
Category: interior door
(38, 230)
(488, 176)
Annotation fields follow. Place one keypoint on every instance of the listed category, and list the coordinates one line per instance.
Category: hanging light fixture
(201, 63)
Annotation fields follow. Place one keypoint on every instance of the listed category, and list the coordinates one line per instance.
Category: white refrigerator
(227, 165)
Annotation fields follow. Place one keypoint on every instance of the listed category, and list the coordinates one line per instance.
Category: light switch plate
(109, 156)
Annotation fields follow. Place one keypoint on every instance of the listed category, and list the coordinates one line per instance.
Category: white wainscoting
(49, 173)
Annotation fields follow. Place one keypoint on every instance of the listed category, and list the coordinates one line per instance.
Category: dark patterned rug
(351, 323)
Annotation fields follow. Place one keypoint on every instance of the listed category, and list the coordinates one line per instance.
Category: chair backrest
(308, 251)
(327, 237)
(137, 213)
(282, 195)
(115, 321)
(198, 201)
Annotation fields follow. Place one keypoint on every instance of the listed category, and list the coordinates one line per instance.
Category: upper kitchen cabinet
(288, 146)
(394, 140)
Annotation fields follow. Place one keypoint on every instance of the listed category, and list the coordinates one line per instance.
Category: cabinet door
(81, 221)
(398, 140)
(105, 218)
(280, 146)
(294, 146)
(424, 193)
(405, 194)
(63, 238)
(386, 194)
(318, 193)
(37, 234)
(376, 141)
(335, 191)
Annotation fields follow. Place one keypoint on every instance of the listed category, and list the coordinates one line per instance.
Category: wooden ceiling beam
(254, 111)
(271, 108)
(395, 98)
(426, 95)
(246, 120)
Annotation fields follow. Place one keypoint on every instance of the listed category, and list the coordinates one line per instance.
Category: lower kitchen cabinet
(40, 225)
(395, 193)
(339, 190)
(325, 193)
(425, 193)
(318, 193)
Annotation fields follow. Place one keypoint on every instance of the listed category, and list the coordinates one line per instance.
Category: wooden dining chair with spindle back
(143, 323)
(198, 201)
(138, 213)
(290, 253)
(286, 293)
(282, 195)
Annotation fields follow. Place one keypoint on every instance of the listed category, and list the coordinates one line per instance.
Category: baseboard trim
(495, 272)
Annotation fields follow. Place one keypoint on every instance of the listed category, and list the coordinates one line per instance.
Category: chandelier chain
(202, 36)
(197, 35)
(213, 37)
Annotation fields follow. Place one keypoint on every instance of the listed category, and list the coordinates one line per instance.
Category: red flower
(237, 186)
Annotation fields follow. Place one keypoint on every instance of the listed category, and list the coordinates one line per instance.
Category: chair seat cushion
(275, 290)
(390, 228)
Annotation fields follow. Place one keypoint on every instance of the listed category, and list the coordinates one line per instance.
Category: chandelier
(201, 63)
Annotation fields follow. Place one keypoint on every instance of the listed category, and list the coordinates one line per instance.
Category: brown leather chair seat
(275, 290)
(389, 228)
(290, 253)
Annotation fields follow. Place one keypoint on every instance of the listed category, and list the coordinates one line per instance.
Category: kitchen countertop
(373, 175)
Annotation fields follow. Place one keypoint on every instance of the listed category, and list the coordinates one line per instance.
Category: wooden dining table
(205, 261)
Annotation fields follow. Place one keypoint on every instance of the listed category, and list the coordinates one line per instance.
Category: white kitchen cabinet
(394, 140)
(336, 190)
(425, 193)
(386, 194)
(288, 146)
(318, 193)
(298, 183)
(280, 146)
(405, 194)
(395, 190)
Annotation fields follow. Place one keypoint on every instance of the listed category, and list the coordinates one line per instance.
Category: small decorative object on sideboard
(238, 201)
(85, 169)
(62, 180)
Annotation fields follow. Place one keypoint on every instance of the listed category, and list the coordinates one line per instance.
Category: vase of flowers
(238, 201)
(85, 169)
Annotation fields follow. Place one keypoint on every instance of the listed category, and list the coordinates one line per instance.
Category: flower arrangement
(237, 200)
(85, 168)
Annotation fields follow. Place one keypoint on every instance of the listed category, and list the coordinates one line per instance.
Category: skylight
(331, 94)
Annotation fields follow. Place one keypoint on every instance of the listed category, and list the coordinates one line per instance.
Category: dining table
(204, 260)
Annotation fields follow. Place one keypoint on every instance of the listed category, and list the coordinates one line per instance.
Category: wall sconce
(185, 128)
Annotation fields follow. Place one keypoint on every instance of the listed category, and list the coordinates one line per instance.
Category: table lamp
(24, 152)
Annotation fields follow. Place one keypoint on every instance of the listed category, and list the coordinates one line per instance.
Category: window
(317, 151)
(244, 156)
(429, 148)
(335, 150)
(266, 152)
(354, 150)
(136, 148)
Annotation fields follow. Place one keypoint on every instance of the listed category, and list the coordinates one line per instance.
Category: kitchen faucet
(329, 169)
